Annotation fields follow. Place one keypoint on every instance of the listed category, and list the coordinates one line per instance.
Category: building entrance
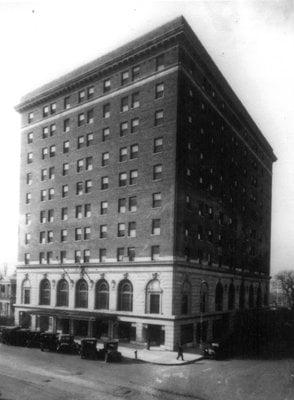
(100, 328)
(80, 328)
(155, 334)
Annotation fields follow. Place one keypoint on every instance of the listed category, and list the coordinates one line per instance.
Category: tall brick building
(145, 204)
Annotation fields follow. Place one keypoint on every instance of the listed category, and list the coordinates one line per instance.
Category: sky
(251, 42)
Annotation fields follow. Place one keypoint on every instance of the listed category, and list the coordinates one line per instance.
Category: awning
(73, 314)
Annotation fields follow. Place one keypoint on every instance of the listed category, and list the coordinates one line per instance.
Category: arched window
(259, 297)
(45, 292)
(251, 297)
(82, 294)
(242, 296)
(231, 297)
(62, 293)
(219, 297)
(204, 297)
(153, 297)
(102, 295)
(125, 296)
(26, 292)
(186, 298)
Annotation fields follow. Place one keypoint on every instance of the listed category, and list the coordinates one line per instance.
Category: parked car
(8, 334)
(33, 339)
(88, 348)
(48, 341)
(217, 350)
(66, 344)
(109, 353)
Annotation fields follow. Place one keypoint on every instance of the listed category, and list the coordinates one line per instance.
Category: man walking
(180, 351)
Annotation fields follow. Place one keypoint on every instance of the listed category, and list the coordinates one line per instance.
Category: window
(62, 293)
(123, 154)
(81, 142)
(43, 217)
(135, 72)
(106, 110)
(155, 252)
(134, 125)
(45, 292)
(122, 205)
(102, 295)
(105, 159)
(28, 219)
(82, 294)
(158, 117)
(158, 145)
(120, 253)
(123, 128)
(133, 203)
(104, 183)
(121, 229)
(90, 116)
(50, 236)
(103, 207)
(231, 297)
(157, 172)
(133, 177)
(64, 190)
(105, 134)
(51, 172)
(81, 96)
(42, 237)
(87, 211)
(52, 150)
(30, 158)
(125, 77)
(79, 213)
(27, 257)
(86, 254)
(64, 213)
(81, 119)
(106, 85)
(87, 233)
(66, 146)
(80, 165)
(51, 215)
(88, 186)
(131, 253)
(186, 298)
(63, 257)
(155, 227)
(135, 100)
(102, 255)
(159, 62)
(51, 192)
(122, 179)
(203, 297)
(30, 117)
(66, 103)
(26, 292)
(156, 200)
(65, 169)
(53, 108)
(45, 132)
(159, 90)
(90, 138)
(78, 234)
(103, 231)
(153, 297)
(66, 126)
(63, 235)
(219, 297)
(134, 151)
(29, 178)
(78, 256)
(124, 104)
(79, 188)
(90, 92)
(132, 229)
(45, 111)
(30, 137)
(44, 152)
(125, 296)
(43, 195)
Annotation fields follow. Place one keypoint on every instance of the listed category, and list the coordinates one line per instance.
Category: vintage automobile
(33, 339)
(66, 344)
(109, 353)
(217, 350)
(88, 348)
(48, 341)
(8, 335)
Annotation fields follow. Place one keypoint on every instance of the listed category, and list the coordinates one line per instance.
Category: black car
(9, 335)
(109, 353)
(33, 339)
(66, 344)
(48, 341)
(88, 348)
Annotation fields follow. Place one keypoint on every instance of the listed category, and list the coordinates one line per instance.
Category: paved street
(29, 374)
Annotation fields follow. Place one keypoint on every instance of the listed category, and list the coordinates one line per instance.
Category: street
(29, 374)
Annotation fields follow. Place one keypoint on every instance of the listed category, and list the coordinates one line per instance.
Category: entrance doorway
(80, 328)
(155, 334)
(24, 319)
(44, 323)
(126, 331)
(63, 325)
(100, 328)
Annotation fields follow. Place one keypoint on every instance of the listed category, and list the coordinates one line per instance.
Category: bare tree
(284, 282)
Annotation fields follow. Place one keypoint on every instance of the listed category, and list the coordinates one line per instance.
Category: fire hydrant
(136, 354)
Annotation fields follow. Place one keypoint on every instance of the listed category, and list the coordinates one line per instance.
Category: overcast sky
(252, 43)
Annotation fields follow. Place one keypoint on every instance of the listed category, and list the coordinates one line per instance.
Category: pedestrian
(148, 343)
(180, 351)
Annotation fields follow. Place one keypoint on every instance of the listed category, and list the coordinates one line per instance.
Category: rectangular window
(158, 120)
(106, 110)
(52, 150)
(131, 253)
(64, 190)
(81, 142)
(78, 234)
(50, 215)
(66, 103)
(44, 152)
(79, 188)
(90, 116)
(43, 195)
(135, 72)
(66, 146)
(28, 219)
(89, 163)
(87, 212)
(124, 104)
(66, 126)
(52, 129)
(121, 229)
(123, 128)
(30, 158)
(122, 181)
(159, 62)
(90, 138)
(90, 92)
(102, 255)
(155, 252)
(87, 233)
(157, 172)
(50, 236)
(155, 227)
(106, 85)
(133, 177)
(159, 90)
(134, 151)
(122, 205)
(105, 159)
(81, 119)
(63, 235)
(78, 256)
(103, 231)
(42, 258)
(30, 137)
(45, 132)
(103, 207)
(43, 217)
(120, 253)
(133, 203)
(30, 117)
(158, 145)
(45, 111)
(51, 192)
(81, 96)
(64, 213)
(123, 154)
(134, 125)
(79, 213)
(105, 134)
(80, 165)
(27, 238)
(49, 257)
(125, 77)
(53, 108)
(27, 257)
(86, 256)
(88, 186)
(29, 178)
(65, 169)
(132, 229)
(104, 183)
(63, 257)
(42, 238)
(135, 100)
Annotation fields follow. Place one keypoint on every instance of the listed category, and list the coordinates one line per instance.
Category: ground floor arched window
(82, 294)
(153, 297)
(62, 293)
(231, 297)
(125, 296)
